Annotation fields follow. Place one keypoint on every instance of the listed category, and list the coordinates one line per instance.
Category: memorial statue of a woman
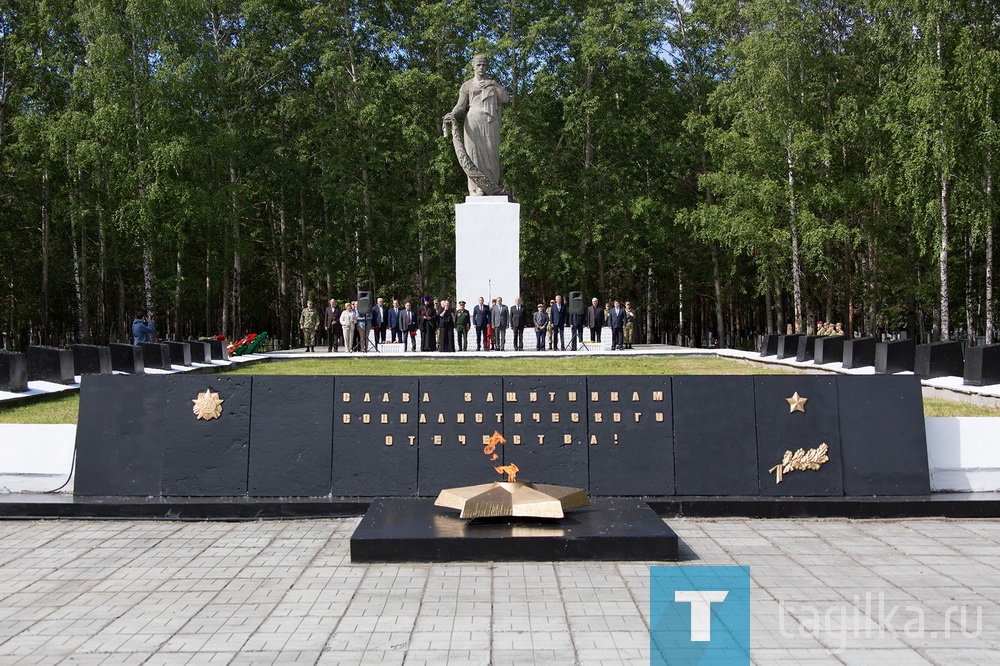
(481, 100)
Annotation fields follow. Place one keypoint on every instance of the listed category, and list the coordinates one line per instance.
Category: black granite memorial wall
(291, 431)
(859, 353)
(50, 364)
(458, 416)
(788, 346)
(715, 448)
(882, 432)
(127, 358)
(982, 365)
(13, 372)
(402, 436)
(894, 356)
(797, 412)
(769, 345)
(829, 349)
(155, 355)
(92, 360)
(545, 424)
(939, 359)
(219, 350)
(205, 458)
(630, 436)
(120, 435)
(201, 351)
(375, 433)
(180, 352)
(807, 348)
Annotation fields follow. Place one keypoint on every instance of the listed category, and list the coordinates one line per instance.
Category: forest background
(732, 167)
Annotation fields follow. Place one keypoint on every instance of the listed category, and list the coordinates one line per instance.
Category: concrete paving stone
(362, 658)
(517, 657)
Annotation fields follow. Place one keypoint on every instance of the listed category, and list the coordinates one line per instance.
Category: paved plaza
(284, 592)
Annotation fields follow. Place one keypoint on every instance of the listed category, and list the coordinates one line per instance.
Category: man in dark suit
(595, 320)
(331, 322)
(480, 319)
(382, 320)
(616, 320)
(408, 325)
(396, 334)
(500, 319)
(558, 321)
(517, 322)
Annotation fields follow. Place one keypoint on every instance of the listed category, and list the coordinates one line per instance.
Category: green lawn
(64, 409)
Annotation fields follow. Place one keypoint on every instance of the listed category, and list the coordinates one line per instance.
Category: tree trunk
(77, 291)
(717, 282)
(793, 218)
(178, 278)
(990, 333)
(283, 306)
(649, 304)
(943, 260)
(46, 230)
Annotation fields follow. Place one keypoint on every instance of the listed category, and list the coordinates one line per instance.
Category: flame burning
(491, 445)
(510, 470)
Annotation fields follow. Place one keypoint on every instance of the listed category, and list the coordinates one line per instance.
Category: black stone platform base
(18, 506)
(414, 530)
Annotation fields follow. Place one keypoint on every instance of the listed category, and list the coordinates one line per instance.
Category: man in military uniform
(463, 322)
(629, 325)
(309, 322)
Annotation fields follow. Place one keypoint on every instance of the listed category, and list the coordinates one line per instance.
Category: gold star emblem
(208, 405)
(796, 403)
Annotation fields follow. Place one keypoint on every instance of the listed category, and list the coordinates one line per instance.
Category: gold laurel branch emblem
(800, 461)
(208, 405)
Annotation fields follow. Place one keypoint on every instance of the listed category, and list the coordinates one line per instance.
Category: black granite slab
(205, 458)
(456, 415)
(829, 349)
(779, 429)
(546, 429)
(882, 434)
(375, 436)
(859, 353)
(894, 356)
(18, 506)
(92, 360)
(715, 438)
(982, 365)
(201, 351)
(291, 436)
(13, 372)
(155, 355)
(632, 445)
(939, 359)
(180, 352)
(127, 358)
(50, 364)
(788, 346)
(414, 530)
(769, 345)
(807, 348)
(120, 435)
(219, 350)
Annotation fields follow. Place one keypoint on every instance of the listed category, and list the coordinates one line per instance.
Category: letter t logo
(701, 610)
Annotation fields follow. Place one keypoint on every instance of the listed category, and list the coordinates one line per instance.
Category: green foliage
(220, 162)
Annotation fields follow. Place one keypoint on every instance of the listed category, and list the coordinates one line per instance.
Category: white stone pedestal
(487, 250)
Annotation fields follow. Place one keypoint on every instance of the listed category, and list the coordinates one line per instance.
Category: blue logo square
(699, 615)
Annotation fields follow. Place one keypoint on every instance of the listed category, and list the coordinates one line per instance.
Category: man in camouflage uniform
(309, 322)
(629, 324)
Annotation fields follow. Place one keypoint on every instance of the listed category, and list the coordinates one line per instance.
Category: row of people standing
(439, 325)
